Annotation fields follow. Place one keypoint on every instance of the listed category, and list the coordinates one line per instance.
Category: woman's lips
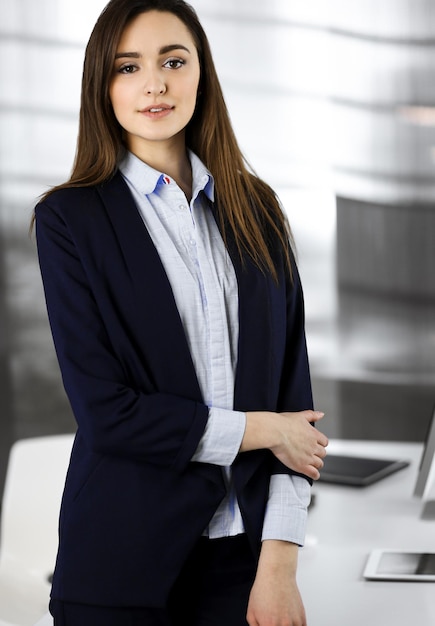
(157, 111)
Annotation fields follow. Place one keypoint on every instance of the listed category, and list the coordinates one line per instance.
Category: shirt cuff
(287, 509)
(222, 437)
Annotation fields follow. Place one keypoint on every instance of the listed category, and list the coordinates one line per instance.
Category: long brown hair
(246, 204)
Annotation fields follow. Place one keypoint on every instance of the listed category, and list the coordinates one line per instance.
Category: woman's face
(155, 81)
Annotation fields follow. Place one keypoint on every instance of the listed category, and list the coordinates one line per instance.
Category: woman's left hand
(275, 599)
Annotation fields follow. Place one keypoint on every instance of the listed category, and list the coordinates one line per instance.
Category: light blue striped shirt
(205, 290)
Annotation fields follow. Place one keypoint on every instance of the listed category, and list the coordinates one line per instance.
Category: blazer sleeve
(295, 386)
(117, 413)
(295, 392)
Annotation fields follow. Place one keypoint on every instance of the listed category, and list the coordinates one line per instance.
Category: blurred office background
(333, 102)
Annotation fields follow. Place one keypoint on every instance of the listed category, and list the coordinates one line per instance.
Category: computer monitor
(425, 483)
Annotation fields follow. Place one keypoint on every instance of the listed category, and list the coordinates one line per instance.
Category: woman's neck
(181, 171)
(172, 160)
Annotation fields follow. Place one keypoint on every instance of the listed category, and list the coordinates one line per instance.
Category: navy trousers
(212, 590)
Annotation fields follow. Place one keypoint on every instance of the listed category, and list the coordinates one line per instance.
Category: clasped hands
(291, 437)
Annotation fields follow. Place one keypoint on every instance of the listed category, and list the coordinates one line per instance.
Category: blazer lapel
(159, 323)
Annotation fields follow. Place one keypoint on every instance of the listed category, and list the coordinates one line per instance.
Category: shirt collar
(146, 179)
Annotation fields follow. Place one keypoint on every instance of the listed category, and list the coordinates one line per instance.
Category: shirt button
(182, 207)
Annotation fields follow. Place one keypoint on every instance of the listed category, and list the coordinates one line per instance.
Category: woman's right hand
(291, 437)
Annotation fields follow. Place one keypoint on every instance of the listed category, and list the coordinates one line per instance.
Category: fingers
(310, 416)
(318, 460)
(311, 472)
(313, 416)
(320, 451)
(323, 440)
(317, 463)
(301, 447)
(313, 464)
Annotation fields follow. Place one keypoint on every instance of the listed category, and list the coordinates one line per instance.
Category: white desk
(345, 524)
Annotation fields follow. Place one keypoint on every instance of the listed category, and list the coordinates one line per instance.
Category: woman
(177, 316)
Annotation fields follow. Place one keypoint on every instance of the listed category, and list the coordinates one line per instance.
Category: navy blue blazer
(134, 504)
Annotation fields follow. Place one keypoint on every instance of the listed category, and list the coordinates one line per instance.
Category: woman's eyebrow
(127, 55)
(173, 46)
(163, 50)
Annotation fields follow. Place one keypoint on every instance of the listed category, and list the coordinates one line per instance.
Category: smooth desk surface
(344, 525)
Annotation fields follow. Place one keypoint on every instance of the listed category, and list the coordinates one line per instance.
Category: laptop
(357, 471)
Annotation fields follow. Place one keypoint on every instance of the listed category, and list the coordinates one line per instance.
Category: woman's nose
(155, 84)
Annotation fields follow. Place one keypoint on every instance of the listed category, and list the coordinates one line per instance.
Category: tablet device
(400, 565)
(357, 471)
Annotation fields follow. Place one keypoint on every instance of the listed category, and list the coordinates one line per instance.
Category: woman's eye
(127, 69)
(174, 64)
